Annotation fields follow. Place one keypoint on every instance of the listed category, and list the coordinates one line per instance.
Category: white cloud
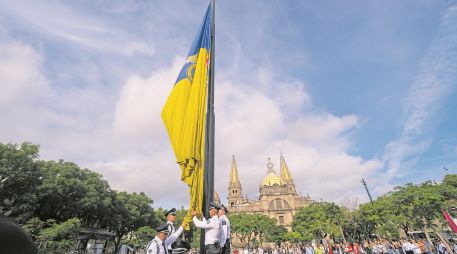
(65, 23)
(249, 123)
(156, 175)
(254, 126)
(20, 74)
(62, 122)
(141, 100)
(24, 88)
(132, 149)
(324, 131)
(435, 80)
(292, 95)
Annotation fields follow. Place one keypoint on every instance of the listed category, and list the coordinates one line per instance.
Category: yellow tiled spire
(234, 172)
(285, 173)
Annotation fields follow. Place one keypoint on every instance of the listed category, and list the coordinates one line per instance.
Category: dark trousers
(226, 248)
(212, 249)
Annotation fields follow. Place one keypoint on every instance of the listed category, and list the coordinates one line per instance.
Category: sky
(345, 90)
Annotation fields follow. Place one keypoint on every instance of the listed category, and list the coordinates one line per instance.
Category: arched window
(281, 219)
(279, 203)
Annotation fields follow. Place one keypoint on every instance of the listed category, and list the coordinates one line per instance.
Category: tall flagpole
(211, 115)
(208, 181)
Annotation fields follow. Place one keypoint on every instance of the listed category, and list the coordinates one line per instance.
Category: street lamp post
(366, 188)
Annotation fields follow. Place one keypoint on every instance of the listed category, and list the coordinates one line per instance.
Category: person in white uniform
(225, 230)
(212, 229)
(163, 238)
(170, 215)
(157, 245)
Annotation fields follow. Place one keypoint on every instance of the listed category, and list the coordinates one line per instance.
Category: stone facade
(278, 197)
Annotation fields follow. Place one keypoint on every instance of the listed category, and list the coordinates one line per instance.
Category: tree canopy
(20, 177)
(255, 229)
(52, 200)
(318, 220)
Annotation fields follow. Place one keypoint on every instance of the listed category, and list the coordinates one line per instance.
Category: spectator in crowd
(441, 248)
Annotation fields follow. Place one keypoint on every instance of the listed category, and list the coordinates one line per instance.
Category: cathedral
(278, 197)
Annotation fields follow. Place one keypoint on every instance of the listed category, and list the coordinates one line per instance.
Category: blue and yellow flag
(184, 114)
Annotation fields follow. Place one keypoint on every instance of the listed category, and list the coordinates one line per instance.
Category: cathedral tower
(278, 198)
(286, 176)
(235, 195)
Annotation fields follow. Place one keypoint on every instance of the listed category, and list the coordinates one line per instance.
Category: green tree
(33, 227)
(241, 226)
(411, 206)
(195, 233)
(59, 238)
(449, 188)
(451, 180)
(276, 234)
(141, 237)
(160, 215)
(130, 212)
(317, 220)
(52, 199)
(67, 191)
(420, 203)
(381, 218)
(264, 228)
(19, 178)
(293, 237)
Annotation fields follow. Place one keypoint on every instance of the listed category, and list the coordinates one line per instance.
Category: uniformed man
(225, 230)
(212, 229)
(157, 245)
(163, 239)
(174, 234)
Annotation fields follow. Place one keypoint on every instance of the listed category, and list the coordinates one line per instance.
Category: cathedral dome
(272, 178)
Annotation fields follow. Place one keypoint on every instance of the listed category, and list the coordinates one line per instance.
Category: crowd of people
(217, 241)
(420, 246)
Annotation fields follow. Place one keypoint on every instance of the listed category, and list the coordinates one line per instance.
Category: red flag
(330, 251)
(450, 221)
(356, 248)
